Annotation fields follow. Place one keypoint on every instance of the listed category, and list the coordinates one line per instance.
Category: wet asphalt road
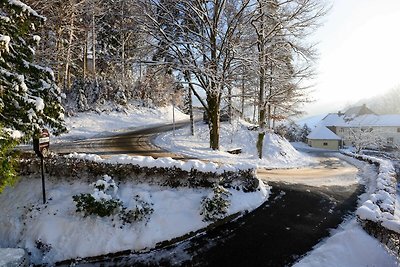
(135, 142)
(278, 233)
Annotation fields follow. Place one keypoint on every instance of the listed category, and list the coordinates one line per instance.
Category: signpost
(173, 116)
(41, 147)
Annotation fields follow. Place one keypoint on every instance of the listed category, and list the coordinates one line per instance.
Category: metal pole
(173, 116)
(43, 184)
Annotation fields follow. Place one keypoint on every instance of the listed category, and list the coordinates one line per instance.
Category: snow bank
(90, 124)
(55, 232)
(381, 204)
(348, 246)
(278, 152)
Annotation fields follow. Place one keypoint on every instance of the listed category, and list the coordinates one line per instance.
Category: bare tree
(284, 59)
(199, 38)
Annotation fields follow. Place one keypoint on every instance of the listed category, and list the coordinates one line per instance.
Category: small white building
(344, 125)
(322, 137)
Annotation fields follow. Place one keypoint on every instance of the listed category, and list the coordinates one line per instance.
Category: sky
(359, 53)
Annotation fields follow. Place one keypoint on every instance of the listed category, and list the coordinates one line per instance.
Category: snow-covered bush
(215, 205)
(142, 211)
(87, 204)
(101, 201)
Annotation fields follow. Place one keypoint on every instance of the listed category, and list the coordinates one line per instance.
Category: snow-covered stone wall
(161, 171)
(381, 204)
(378, 213)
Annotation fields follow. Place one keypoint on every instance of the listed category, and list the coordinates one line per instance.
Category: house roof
(323, 133)
(368, 120)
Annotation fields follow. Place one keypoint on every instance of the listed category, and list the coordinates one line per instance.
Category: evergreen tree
(29, 98)
(304, 132)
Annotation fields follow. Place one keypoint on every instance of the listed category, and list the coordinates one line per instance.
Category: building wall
(390, 133)
(326, 144)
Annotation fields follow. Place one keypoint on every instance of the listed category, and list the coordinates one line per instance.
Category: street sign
(41, 144)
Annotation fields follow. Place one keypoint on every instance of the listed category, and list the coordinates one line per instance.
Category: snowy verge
(91, 124)
(54, 231)
(348, 246)
(175, 190)
(381, 204)
(278, 152)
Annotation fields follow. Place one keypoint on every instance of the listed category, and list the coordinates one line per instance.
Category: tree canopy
(29, 97)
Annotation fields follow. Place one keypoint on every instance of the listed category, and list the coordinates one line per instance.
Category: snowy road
(329, 171)
(135, 142)
(304, 205)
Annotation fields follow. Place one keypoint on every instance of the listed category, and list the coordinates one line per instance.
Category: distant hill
(386, 103)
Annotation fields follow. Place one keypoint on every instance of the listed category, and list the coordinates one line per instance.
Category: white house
(363, 120)
(322, 137)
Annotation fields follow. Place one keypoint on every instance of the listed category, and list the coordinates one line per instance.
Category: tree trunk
(213, 96)
(191, 89)
(261, 96)
(123, 43)
(93, 41)
(68, 57)
(230, 104)
(85, 56)
(213, 119)
(274, 117)
(242, 96)
(191, 110)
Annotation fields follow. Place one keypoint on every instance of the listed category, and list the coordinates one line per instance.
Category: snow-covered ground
(25, 222)
(55, 231)
(90, 124)
(278, 152)
(349, 246)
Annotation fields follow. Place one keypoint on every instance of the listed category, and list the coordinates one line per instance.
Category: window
(390, 140)
(398, 130)
(325, 144)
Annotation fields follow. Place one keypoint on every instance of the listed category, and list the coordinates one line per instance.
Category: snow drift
(278, 152)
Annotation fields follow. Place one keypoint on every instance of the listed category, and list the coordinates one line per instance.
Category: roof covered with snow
(368, 120)
(323, 133)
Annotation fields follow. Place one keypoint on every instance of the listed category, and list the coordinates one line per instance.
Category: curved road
(303, 206)
(135, 142)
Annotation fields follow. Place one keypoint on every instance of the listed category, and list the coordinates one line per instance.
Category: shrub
(103, 202)
(215, 205)
(87, 204)
(142, 211)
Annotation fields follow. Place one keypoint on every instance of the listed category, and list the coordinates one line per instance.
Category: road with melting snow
(304, 205)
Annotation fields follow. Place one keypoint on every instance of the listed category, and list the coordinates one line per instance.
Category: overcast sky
(359, 53)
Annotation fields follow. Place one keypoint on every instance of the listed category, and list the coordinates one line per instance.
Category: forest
(252, 57)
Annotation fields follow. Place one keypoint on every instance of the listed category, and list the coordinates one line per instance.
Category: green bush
(141, 211)
(102, 202)
(87, 204)
(215, 206)
(8, 160)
